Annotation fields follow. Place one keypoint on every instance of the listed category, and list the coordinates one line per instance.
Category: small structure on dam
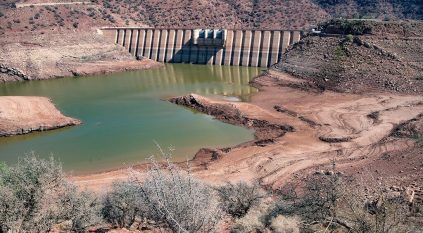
(205, 46)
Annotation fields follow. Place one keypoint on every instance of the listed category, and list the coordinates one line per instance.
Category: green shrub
(353, 27)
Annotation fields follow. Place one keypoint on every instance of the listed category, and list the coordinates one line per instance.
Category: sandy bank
(25, 114)
(322, 126)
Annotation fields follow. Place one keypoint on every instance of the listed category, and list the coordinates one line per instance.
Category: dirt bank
(323, 125)
(60, 55)
(25, 114)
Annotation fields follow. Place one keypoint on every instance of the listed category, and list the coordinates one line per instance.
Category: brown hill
(387, 58)
(262, 14)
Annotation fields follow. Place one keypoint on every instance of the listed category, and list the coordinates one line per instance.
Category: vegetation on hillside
(264, 14)
(373, 9)
(35, 196)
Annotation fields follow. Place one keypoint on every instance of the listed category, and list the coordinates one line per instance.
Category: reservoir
(124, 115)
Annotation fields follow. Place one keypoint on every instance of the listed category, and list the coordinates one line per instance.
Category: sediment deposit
(25, 114)
(323, 125)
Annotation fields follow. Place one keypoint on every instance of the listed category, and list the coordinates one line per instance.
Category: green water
(123, 116)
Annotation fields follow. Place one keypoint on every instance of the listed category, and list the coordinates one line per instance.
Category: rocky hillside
(269, 14)
(381, 9)
(388, 57)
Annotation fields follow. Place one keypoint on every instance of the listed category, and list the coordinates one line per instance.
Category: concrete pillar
(141, 40)
(237, 48)
(285, 42)
(127, 40)
(163, 43)
(256, 49)
(155, 45)
(134, 42)
(148, 42)
(219, 55)
(246, 47)
(170, 45)
(210, 55)
(264, 54)
(274, 50)
(228, 47)
(121, 37)
(116, 36)
(296, 36)
(178, 46)
(186, 46)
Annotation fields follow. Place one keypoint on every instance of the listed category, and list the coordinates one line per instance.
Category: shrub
(34, 196)
(354, 27)
(282, 224)
(178, 200)
(237, 199)
(123, 204)
(253, 220)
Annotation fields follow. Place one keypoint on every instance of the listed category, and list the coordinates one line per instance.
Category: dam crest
(256, 48)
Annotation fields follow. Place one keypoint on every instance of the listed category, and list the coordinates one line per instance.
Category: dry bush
(34, 196)
(123, 204)
(237, 199)
(282, 224)
(369, 207)
(331, 201)
(253, 220)
(177, 200)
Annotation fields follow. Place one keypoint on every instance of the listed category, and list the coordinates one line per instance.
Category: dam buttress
(257, 48)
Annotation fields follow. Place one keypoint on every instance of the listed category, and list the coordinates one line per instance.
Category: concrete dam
(258, 48)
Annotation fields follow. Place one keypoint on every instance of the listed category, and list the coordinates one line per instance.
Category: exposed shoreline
(26, 114)
(296, 130)
(38, 57)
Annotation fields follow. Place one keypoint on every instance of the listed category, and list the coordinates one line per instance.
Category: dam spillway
(256, 48)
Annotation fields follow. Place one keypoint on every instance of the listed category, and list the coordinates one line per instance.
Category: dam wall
(258, 48)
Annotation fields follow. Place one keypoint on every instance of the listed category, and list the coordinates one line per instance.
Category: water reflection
(123, 114)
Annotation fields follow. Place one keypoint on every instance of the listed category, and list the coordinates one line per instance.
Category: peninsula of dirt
(25, 114)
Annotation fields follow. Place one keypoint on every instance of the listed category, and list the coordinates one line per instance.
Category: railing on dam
(239, 47)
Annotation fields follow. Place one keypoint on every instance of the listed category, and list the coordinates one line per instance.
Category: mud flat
(297, 128)
(25, 114)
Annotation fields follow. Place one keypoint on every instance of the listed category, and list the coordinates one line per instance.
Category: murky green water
(123, 115)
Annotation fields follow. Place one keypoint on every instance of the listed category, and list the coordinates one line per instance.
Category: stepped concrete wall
(241, 48)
